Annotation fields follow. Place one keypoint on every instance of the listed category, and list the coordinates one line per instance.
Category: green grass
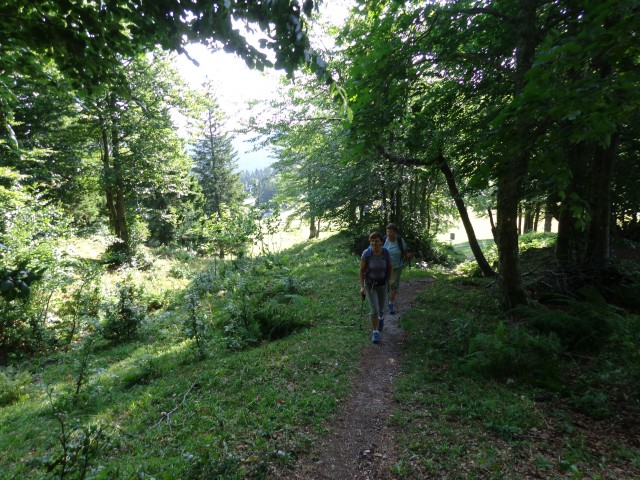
(467, 403)
(162, 411)
(465, 249)
(463, 415)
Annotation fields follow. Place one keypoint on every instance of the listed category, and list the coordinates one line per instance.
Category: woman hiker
(375, 270)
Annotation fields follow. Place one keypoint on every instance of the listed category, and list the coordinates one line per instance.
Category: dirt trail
(360, 443)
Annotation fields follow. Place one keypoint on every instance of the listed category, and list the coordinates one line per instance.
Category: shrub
(122, 320)
(143, 371)
(17, 334)
(434, 251)
(592, 402)
(511, 351)
(579, 326)
(29, 236)
(263, 305)
(195, 323)
(80, 447)
(13, 385)
(626, 295)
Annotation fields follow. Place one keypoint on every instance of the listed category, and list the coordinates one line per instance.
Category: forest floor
(360, 442)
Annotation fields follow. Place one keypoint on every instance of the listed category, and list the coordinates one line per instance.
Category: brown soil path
(360, 443)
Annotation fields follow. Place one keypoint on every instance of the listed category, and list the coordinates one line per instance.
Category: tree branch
(483, 10)
(166, 415)
(402, 160)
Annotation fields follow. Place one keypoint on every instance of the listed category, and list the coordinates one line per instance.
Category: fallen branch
(166, 415)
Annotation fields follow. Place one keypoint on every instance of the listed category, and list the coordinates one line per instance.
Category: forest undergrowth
(229, 369)
(544, 391)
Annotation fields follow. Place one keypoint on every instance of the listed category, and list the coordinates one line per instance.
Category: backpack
(368, 253)
(401, 244)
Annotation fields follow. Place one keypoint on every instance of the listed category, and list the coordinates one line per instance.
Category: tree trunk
(515, 169)
(313, 232)
(121, 231)
(464, 216)
(529, 216)
(598, 248)
(536, 216)
(519, 219)
(425, 211)
(493, 226)
(566, 245)
(385, 207)
(548, 221)
(570, 245)
(107, 177)
(398, 207)
(551, 211)
(507, 234)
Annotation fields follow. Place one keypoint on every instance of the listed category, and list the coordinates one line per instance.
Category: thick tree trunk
(464, 216)
(548, 221)
(515, 169)
(570, 245)
(598, 248)
(507, 235)
(566, 245)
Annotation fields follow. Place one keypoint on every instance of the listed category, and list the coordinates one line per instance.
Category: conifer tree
(215, 158)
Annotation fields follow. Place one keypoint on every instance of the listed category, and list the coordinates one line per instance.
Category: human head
(376, 235)
(392, 226)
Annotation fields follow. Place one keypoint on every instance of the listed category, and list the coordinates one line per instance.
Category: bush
(511, 351)
(580, 327)
(13, 385)
(29, 264)
(263, 303)
(437, 252)
(122, 320)
(626, 295)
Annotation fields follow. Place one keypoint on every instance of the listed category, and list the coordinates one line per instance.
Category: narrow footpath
(360, 443)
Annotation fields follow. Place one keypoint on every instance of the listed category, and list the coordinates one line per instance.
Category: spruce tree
(215, 159)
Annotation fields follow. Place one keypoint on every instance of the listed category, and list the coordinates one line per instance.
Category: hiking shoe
(376, 337)
(380, 323)
(392, 311)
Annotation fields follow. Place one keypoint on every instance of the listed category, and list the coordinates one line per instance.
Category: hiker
(398, 251)
(375, 270)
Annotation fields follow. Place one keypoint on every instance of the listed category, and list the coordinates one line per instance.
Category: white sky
(236, 84)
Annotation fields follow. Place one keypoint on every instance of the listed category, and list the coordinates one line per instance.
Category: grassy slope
(169, 415)
(578, 419)
(166, 414)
